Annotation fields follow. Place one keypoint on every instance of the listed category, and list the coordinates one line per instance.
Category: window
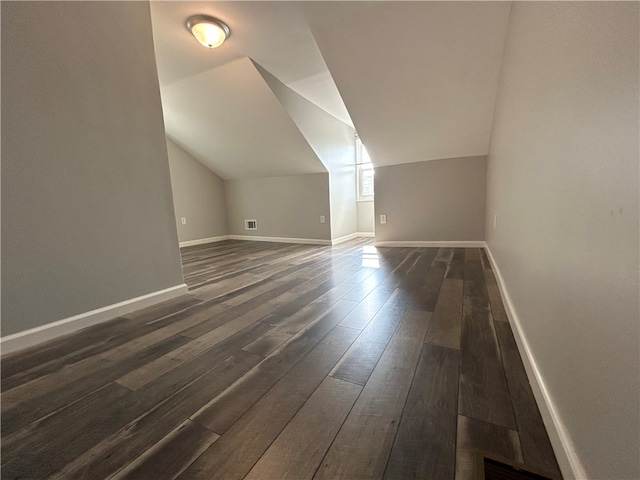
(364, 172)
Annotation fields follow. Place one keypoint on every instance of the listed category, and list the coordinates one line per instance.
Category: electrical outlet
(322, 219)
(383, 219)
(183, 220)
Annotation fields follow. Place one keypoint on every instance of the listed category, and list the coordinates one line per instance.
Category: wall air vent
(250, 224)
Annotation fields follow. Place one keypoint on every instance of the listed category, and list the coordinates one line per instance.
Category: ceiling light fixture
(209, 31)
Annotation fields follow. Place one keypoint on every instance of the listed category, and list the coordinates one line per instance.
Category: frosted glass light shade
(209, 31)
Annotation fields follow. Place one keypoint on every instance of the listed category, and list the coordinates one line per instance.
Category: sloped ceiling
(231, 121)
(418, 79)
(331, 139)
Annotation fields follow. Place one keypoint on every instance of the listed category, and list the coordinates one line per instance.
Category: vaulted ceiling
(418, 80)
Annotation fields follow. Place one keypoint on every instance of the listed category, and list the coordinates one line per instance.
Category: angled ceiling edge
(324, 132)
(425, 92)
(231, 121)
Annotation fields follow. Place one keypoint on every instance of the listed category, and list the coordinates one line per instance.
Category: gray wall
(198, 195)
(334, 143)
(87, 215)
(283, 206)
(438, 200)
(365, 217)
(342, 191)
(563, 182)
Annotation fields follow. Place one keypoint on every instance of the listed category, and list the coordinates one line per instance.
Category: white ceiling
(418, 79)
(230, 120)
(274, 34)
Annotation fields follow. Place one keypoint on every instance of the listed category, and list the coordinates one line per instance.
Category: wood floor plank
(33, 406)
(536, 447)
(429, 289)
(70, 350)
(484, 394)
(474, 277)
(455, 268)
(172, 455)
(268, 342)
(446, 322)
(59, 438)
(361, 358)
(250, 359)
(425, 445)
(363, 444)
(152, 370)
(362, 314)
(162, 309)
(185, 373)
(223, 411)
(287, 326)
(257, 302)
(153, 424)
(235, 453)
(475, 435)
(495, 299)
(91, 365)
(299, 449)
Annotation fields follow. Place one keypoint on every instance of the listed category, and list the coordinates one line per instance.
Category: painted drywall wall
(198, 196)
(87, 214)
(563, 182)
(438, 200)
(286, 207)
(342, 193)
(365, 217)
(334, 143)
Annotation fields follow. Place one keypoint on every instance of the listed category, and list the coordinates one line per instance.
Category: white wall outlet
(495, 222)
(183, 220)
(383, 219)
(322, 219)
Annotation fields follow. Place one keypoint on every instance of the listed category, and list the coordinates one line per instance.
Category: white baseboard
(568, 460)
(33, 336)
(309, 241)
(366, 234)
(202, 241)
(346, 238)
(443, 244)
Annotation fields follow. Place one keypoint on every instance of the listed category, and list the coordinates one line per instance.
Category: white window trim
(360, 164)
(359, 196)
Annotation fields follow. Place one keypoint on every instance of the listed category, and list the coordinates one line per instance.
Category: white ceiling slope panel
(229, 119)
(419, 79)
(272, 33)
(332, 140)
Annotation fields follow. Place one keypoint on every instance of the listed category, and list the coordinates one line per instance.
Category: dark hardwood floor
(284, 361)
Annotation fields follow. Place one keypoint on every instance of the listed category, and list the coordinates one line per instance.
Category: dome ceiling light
(209, 31)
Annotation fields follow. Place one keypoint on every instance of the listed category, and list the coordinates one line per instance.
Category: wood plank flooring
(284, 361)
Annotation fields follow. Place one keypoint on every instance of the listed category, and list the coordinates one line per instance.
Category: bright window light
(365, 172)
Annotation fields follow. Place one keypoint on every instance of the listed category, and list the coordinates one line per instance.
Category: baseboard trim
(568, 460)
(366, 234)
(346, 238)
(202, 241)
(443, 244)
(34, 336)
(308, 241)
